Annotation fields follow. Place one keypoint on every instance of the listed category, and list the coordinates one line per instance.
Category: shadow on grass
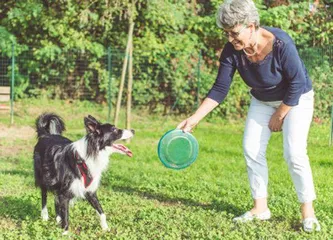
(295, 223)
(17, 172)
(18, 208)
(325, 164)
(167, 200)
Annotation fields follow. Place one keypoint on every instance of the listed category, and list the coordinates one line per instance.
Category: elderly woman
(282, 100)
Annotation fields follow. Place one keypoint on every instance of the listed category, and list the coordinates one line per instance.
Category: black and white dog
(74, 169)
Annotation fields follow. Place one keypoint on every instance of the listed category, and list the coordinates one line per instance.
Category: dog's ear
(92, 125)
(93, 119)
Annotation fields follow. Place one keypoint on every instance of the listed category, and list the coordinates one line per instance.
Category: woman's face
(239, 36)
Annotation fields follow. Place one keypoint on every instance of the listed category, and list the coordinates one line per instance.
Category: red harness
(87, 178)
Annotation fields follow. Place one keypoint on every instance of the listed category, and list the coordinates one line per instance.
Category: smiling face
(240, 36)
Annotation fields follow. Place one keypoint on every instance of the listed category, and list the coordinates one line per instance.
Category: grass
(144, 200)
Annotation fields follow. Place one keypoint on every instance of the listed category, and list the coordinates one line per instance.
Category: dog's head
(103, 136)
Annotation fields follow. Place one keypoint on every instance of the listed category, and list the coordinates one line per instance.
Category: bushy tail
(49, 123)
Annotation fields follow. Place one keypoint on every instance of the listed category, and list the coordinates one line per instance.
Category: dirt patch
(9, 133)
(10, 151)
(7, 223)
(8, 136)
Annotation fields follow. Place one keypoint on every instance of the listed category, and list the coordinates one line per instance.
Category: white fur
(72, 202)
(126, 134)
(104, 224)
(58, 219)
(95, 166)
(53, 129)
(45, 214)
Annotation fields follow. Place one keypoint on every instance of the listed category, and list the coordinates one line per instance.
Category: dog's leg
(63, 209)
(93, 200)
(57, 208)
(44, 213)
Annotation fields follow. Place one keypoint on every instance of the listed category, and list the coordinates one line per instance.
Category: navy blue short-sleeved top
(281, 75)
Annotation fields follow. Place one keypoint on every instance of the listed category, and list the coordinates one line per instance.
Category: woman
(282, 100)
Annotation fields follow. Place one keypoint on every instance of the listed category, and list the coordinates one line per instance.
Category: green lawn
(144, 200)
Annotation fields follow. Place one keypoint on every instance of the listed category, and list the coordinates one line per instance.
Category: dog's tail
(49, 123)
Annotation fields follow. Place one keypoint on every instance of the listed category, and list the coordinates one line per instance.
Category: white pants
(295, 132)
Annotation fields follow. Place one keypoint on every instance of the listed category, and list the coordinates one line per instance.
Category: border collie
(74, 169)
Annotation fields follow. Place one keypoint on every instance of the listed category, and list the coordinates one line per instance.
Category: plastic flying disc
(177, 149)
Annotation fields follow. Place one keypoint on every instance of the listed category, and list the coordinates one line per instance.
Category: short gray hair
(234, 12)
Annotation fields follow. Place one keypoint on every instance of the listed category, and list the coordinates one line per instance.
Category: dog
(74, 169)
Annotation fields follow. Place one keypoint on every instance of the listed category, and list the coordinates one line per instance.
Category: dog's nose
(132, 130)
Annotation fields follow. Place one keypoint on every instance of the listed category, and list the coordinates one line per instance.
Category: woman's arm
(206, 107)
(294, 71)
(217, 93)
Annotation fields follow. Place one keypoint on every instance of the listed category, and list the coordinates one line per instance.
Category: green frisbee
(177, 149)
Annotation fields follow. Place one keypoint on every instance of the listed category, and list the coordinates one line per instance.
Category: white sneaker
(248, 216)
(311, 224)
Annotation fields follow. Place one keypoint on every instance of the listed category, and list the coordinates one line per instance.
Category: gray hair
(234, 12)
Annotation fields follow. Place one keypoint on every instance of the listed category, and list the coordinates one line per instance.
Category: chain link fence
(316, 56)
(71, 74)
(173, 84)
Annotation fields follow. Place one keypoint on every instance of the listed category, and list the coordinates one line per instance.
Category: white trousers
(295, 133)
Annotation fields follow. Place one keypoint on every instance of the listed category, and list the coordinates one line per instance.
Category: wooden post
(129, 88)
(109, 84)
(121, 86)
(331, 137)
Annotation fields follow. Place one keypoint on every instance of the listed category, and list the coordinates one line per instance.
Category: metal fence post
(12, 86)
(109, 84)
(331, 136)
(198, 79)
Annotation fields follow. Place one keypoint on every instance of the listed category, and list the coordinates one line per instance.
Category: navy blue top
(281, 75)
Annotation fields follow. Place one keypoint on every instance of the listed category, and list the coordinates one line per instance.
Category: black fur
(56, 157)
(43, 124)
(99, 135)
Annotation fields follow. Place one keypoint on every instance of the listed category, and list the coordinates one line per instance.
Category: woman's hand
(275, 124)
(188, 124)
(206, 106)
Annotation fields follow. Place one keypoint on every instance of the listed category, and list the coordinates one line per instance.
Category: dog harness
(87, 178)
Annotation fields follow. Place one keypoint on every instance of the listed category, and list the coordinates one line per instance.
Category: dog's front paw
(58, 219)
(104, 224)
(45, 214)
(65, 233)
(106, 228)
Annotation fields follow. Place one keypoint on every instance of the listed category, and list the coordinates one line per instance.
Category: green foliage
(6, 41)
(306, 28)
(144, 200)
(173, 78)
(319, 64)
(61, 49)
(236, 103)
(323, 85)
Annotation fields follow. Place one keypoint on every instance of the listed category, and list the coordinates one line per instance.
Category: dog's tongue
(123, 149)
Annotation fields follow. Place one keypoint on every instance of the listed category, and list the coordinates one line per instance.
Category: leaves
(68, 38)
